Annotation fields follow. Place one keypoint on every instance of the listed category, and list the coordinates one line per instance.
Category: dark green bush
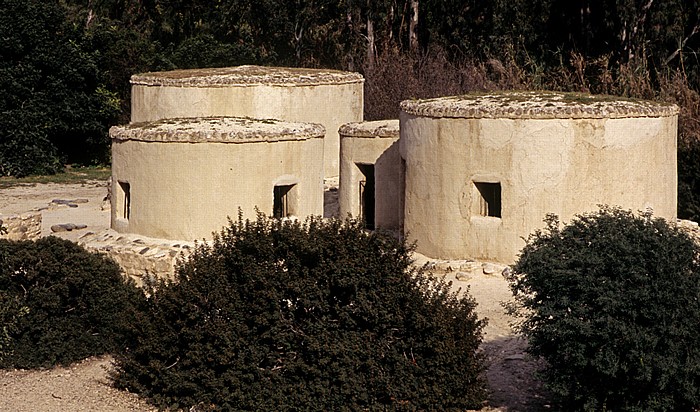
(316, 316)
(61, 304)
(612, 303)
(11, 311)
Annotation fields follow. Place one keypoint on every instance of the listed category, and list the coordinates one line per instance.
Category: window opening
(490, 199)
(282, 203)
(367, 195)
(124, 200)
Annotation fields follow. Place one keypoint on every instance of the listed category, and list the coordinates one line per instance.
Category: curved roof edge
(537, 105)
(246, 76)
(371, 129)
(217, 130)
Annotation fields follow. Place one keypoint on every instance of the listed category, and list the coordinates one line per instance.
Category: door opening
(367, 195)
(282, 204)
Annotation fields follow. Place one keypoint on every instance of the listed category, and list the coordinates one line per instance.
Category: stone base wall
(25, 226)
(142, 259)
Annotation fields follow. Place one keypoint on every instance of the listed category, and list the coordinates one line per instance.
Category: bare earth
(85, 386)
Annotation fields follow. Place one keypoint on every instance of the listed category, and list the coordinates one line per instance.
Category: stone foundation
(141, 258)
(25, 226)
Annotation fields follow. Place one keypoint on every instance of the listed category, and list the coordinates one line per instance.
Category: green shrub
(11, 311)
(62, 304)
(316, 316)
(612, 303)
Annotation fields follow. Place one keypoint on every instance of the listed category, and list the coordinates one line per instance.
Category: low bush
(315, 316)
(60, 304)
(11, 311)
(612, 303)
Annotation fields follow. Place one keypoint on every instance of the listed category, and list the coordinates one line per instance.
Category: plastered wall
(330, 98)
(187, 189)
(376, 144)
(562, 166)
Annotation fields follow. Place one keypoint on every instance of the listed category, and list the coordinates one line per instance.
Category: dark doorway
(124, 200)
(367, 195)
(282, 206)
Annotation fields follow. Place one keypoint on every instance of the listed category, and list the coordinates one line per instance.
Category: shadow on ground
(512, 378)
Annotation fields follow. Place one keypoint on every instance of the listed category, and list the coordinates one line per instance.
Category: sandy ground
(85, 385)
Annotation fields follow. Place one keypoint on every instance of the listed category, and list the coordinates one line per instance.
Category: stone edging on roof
(537, 105)
(246, 76)
(373, 129)
(217, 129)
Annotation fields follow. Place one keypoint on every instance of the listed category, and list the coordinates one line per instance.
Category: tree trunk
(389, 37)
(90, 15)
(350, 29)
(371, 49)
(412, 28)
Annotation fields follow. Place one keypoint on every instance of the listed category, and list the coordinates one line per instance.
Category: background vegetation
(65, 64)
(611, 303)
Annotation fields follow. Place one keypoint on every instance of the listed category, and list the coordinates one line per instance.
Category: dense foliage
(612, 304)
(54, 107)
(316, 316)
(60, 304)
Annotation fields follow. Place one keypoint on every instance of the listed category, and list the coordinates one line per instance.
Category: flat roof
(217, 129)
(537, 105)
(373, 129)
(246, 76)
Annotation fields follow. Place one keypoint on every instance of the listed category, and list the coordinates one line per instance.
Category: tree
(54, 107)
(611, 302)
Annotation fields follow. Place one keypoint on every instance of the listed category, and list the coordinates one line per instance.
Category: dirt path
(85, 386)
(81, 387)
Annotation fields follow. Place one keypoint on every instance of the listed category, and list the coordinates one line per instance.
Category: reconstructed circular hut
(181, 178)
(482, 171)
(370, 173)
(328, 97)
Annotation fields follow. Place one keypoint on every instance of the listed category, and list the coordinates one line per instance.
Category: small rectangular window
(124, 200)
(489, 202)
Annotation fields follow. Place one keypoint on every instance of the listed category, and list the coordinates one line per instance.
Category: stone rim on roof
(537, 105)
(246, 76)
(217, 129)
(373, 129)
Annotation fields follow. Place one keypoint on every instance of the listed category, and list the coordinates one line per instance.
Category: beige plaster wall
(186, 176)
(312, 96)
(545, 165)
(372, 143)
(186, 191)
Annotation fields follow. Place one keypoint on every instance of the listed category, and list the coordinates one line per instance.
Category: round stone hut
(482, 171)
(328, 97)
(182, 178)
(370, 173)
